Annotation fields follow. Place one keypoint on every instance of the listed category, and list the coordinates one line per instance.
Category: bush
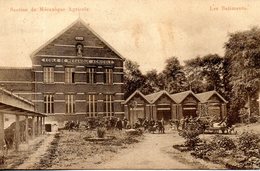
(223, 142)
(191, 134)
(249, 143)
(101, 132)
(203, 151)
(253, 119)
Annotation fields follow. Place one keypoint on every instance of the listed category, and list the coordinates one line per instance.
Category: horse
(152, 128)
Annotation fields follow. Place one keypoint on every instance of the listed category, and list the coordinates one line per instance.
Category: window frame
(109, 105)
(48, 74)
(91, 105)
(108, 76)
(91, 75)
(48, 101)
(70, 106)
(69, 75)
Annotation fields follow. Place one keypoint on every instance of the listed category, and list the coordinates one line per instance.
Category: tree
(206, 73)
(243, 50)
(151, 82)
(133, 78)
(172, 78)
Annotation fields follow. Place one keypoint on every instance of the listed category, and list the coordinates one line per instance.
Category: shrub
(253, 119)
(223, 142)
(101, 132)
(191, 134)
(249, 143)
(203, 151)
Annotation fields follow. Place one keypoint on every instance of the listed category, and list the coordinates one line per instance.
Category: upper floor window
(48, 103)
(48, 74)
(69, 75)
(91, 75)
(108, 76)
(70, 103)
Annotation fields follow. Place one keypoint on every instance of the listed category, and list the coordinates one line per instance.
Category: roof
(155, 96)
(137, 92)
(14, 104)
(204, 97)
(179, 97)
(78, 21)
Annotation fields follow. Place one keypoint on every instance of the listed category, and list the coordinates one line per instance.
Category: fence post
(17, 132)
(2, 134)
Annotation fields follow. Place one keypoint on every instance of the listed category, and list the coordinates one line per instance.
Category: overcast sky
(146, 31)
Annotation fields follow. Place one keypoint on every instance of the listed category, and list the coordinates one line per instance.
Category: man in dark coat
(119, 124)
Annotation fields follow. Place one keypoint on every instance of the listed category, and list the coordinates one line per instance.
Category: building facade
(161, 104)
(75, 75)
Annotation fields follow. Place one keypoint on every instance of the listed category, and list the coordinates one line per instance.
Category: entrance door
(164, 111)
(189, 111)
(136, 113)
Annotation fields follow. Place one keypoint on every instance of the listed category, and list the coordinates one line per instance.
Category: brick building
(174, 106)
(73, 76)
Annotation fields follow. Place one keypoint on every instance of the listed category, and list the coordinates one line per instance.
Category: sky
(145, 31)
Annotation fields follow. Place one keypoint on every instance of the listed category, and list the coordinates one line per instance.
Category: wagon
(217, 128)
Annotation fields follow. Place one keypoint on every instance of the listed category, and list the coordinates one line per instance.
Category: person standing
(124, 122)
(119, 124)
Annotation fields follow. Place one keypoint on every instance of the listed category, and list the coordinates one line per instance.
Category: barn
(163, 105)
(188, 104)
(212, 104)
(137, 106)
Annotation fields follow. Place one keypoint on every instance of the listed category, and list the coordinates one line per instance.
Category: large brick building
(73, 76)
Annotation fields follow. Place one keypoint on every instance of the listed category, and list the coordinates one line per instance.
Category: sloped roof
(179, 97)
(204, 97)
(155, 96)
(135, 93)
(79, 21)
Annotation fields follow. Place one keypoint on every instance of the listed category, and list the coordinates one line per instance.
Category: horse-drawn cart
(217, 128)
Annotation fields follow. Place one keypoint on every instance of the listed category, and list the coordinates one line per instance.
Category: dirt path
(36, 156)
(149, 154)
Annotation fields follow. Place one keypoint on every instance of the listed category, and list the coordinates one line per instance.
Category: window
(48, 74)
(91, 105)
(91, 75)
(70, 103)
(108, 76)
(69, 75)
(108, 105)
(48, 103)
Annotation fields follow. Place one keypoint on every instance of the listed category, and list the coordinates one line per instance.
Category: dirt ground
(69, 150)
(156, 152)
(255, 127)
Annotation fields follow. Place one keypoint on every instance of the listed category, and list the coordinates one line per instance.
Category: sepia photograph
(119, 85)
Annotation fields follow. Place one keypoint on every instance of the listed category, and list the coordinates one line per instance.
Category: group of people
(70, 125)
(151, 124)
(117, 123)
(183, 122)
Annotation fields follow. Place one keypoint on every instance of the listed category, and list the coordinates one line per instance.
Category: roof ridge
(78, 20)
(11, 67)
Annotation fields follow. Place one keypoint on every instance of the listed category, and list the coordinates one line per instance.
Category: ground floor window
(108, 105)
(91, 105)
(48, 103)
(70, 103)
